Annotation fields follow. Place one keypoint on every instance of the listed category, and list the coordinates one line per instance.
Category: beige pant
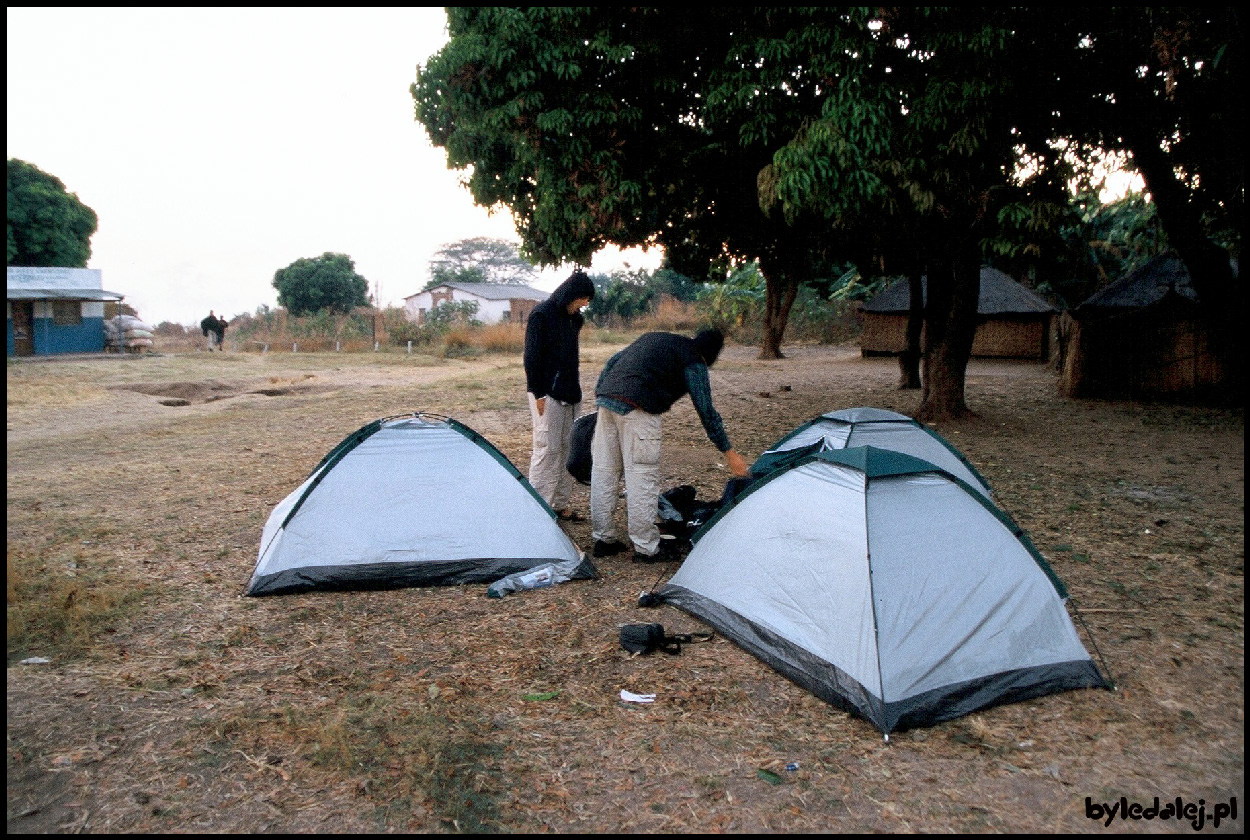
(626, 445)
(549, 457)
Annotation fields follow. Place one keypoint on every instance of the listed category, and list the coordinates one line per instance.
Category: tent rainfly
(877, 427)
(417, 500)
(887, 587)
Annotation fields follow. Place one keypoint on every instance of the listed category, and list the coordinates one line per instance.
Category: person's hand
(541, 402)
(737, 464)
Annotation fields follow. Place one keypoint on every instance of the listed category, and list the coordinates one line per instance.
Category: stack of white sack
(128, 332)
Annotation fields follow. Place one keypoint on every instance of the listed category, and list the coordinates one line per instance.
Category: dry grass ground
(171, 704)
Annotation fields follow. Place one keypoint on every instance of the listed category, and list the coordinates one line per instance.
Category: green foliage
(727, 305)
(666, 281)
(736, 306)
(479, 260)
(622, 296)
(435, 325)
(452, 313)
(891, 137)
(1101, 244)
(443, 275)
(585, 124)
(852, 287)
(326, 282)
(1121, 235)
(772, 134)
(1161, 87)
(48, 226)
(323, 329)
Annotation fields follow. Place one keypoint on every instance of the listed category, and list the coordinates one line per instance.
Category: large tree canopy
(48, 225)
(329, 282)
(1166, 85)
(590, 126)
(908, 139)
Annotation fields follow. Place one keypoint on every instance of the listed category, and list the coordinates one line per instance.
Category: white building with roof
(496, 302)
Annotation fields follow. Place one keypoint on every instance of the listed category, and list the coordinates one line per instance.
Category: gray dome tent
(877, 427)
(887, 587)
(417, 500)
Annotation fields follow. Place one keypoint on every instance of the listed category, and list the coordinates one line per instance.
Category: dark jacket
(650, 373)
(551, 333)
(208, 325)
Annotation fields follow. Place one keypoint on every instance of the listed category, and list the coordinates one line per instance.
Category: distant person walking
(212, 330)
(554, 387)
(222, 323)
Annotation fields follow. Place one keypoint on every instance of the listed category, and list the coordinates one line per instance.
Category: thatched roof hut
(1140, 337)
(1013, 322)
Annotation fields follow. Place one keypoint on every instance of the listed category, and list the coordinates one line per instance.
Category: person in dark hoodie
(554, 387)
(222, 323)
(208, 326)
(637, 385)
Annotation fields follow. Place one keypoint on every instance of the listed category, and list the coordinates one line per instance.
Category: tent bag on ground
(580, 462)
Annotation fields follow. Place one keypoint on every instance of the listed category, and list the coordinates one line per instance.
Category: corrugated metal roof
(62, 294)
(494, 291)
(1000, 295)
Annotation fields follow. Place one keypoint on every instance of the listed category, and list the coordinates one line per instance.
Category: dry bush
(460, 342)
(501, 338)
(671, 315)
(189, 342)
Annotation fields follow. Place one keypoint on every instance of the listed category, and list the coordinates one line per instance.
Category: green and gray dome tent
(887, 587)
(417, 500)
(877, 427)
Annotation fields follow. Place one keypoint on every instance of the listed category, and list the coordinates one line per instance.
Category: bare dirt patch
(188, 708)
(186, 393)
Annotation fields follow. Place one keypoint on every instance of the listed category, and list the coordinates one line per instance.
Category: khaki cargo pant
(626, 445)
(549, 457)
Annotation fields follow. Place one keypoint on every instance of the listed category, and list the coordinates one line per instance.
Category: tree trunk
(909, 359)
(1221, 299)
(954, 286)
(781, 285)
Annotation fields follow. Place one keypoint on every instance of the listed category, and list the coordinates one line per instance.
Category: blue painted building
(55, 310)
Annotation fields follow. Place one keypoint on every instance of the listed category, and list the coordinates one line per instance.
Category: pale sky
(220, 145)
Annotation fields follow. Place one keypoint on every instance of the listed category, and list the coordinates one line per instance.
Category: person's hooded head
(708, 344)
(578, 286)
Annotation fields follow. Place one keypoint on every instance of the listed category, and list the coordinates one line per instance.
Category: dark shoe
(667, 553)
(606, 549)
(570, 516)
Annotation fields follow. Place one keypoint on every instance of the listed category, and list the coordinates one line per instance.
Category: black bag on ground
(579, 462)
(647, 638)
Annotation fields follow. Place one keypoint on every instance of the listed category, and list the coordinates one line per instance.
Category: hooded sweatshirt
(551, 351)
